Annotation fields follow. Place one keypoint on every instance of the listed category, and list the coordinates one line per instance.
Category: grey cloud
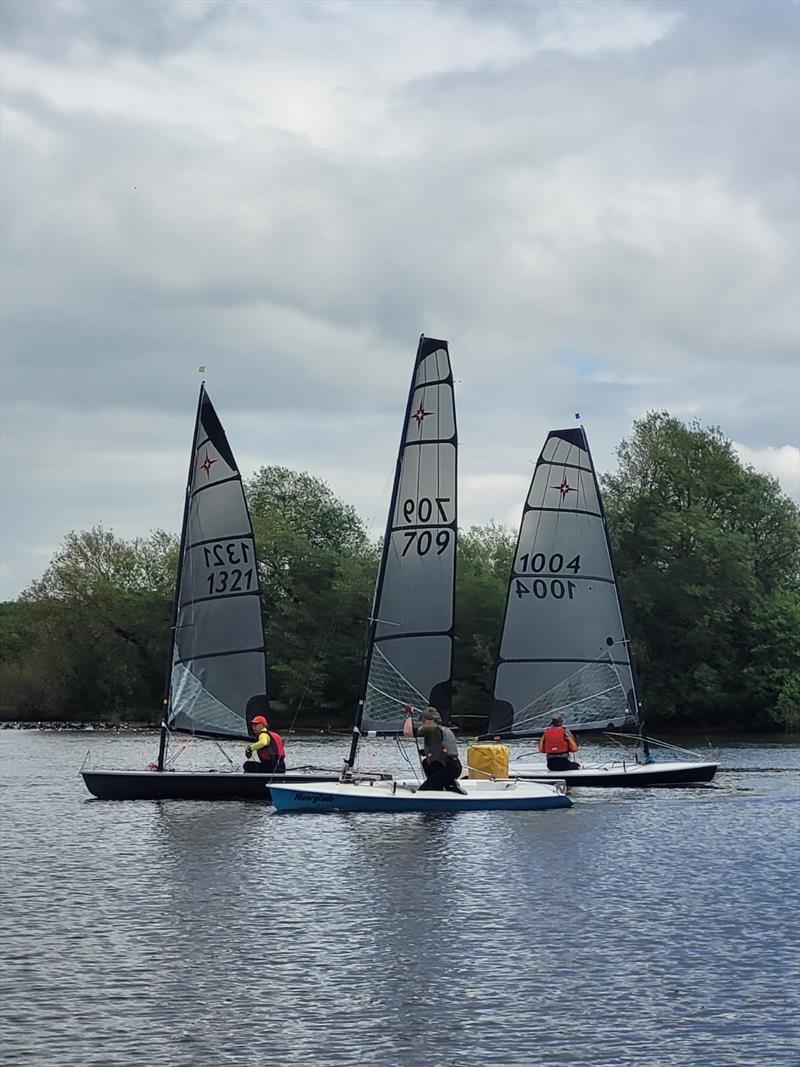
(148, 28)
(636, 206)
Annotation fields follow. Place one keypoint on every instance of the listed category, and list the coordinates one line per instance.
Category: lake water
(640, 927)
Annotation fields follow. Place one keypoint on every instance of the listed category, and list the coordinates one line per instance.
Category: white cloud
(289, 193)
(582, 28)
(782, 463)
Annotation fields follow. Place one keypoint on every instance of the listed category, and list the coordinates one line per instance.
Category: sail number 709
(424, 541)
(423, 510)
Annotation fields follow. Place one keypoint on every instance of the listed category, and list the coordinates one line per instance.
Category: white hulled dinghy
(564, 650)
(217, 670)
(403, 796)
(409, 654)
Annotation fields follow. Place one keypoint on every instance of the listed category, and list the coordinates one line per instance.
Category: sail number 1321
(227, 566)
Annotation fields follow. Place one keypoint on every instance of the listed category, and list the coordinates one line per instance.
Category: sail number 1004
(541, 588)
(544, 587)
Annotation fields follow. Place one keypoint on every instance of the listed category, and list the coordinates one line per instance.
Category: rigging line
(179, 752)
(663, 744)
(569, 706)
(404, 754)
(395, 699)
(322, 650)
(379, 502)
(626, 749)
(225, 754)
(552, 689)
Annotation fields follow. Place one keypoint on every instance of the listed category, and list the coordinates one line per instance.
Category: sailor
(441, 764)
(266, 754)
(557, 743)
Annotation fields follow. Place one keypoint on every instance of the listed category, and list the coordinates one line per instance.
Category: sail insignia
(410, 640)
(219, 670)
(564, 649)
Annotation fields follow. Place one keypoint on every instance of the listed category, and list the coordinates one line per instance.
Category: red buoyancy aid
(555, 741)
(274, 750)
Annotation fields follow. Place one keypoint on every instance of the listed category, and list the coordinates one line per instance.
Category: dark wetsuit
(441, 764)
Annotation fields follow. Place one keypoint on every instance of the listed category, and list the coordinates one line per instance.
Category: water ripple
(641, 928)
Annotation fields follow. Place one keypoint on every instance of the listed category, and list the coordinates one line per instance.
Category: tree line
(707, 551)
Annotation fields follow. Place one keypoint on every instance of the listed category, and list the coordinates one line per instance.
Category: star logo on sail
(565, 489)
(206, 465)
(420, 414)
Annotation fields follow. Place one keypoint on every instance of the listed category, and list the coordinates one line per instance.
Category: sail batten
(221, 596)
(564, 649)
(220, 481)
(410, 641)
(219, 668)
(236, 536)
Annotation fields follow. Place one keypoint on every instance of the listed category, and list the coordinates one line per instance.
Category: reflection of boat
(564, 650)
(218, 667)
(410, 639)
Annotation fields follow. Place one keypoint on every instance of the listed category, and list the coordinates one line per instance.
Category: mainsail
(564, 649)
(219, 669)
(410, 640)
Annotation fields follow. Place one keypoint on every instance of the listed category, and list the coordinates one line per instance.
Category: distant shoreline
(130, 727)
(711, 737)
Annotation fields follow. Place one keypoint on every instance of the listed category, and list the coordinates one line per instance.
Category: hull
(632, 775)
(399, 797)
(188, 785)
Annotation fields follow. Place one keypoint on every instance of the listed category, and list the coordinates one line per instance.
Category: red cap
(259, 720)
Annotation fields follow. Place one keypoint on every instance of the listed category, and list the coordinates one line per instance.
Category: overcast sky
(595, 203)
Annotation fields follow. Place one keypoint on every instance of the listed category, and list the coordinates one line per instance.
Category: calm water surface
(640, 927)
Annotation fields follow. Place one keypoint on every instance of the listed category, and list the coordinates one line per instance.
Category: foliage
(773, 673)
(708, 557)
(93, 629)
(307, 506)
(484, 563)
(317, 570)
(708, 554)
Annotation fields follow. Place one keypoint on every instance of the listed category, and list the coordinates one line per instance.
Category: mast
(373, 621)
(409, 640)
(634, 694)
(162, 744)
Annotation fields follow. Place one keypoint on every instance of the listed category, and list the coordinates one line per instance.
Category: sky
(595, 203)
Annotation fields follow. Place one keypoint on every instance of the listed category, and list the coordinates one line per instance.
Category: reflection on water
(647, 928)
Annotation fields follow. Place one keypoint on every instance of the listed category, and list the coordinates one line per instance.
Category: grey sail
(564, 649)
(219, 668)
(410, 642)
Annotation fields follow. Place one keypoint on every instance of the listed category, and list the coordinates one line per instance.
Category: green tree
(99, 622)
(484, 564)
(702, 544)
(773, 673)
(317, 570)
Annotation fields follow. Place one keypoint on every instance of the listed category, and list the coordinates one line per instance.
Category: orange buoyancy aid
(556, 741)
(274, 750)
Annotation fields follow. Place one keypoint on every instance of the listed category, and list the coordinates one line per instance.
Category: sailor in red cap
(266, 755)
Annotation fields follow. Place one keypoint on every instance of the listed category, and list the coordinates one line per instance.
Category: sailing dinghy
(564, 649)
(217, 675)
(409, 655)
